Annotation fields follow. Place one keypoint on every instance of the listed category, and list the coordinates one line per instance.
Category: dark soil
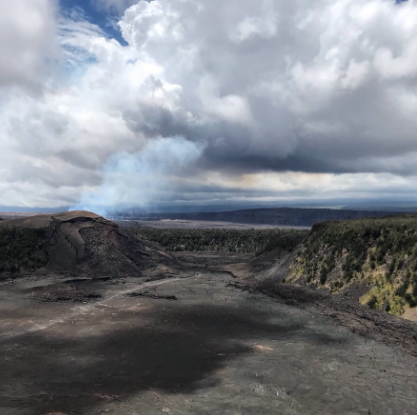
(147, 294)
(64, 292)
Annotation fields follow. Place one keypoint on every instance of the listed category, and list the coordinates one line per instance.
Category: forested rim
(380, 253)
(244, 241)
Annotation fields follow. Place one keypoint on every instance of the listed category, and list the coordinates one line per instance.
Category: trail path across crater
(81, 309)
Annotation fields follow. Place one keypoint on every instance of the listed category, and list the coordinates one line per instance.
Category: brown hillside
(79, 241)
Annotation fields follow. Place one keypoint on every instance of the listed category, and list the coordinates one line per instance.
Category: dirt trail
(216, 350)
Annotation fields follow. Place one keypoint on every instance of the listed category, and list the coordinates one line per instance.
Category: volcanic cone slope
(81, 241)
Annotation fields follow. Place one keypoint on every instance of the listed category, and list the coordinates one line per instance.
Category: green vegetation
(372, 302)
(380, 253)
(244, 241)
(22, 249)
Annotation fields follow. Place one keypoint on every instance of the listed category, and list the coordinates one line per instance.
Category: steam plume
(143, 178)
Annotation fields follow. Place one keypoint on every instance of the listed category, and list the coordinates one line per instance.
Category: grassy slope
(380, 253)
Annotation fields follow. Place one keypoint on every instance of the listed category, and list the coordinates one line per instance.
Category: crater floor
(214, 350)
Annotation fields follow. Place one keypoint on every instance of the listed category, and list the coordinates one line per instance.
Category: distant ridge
(276, 216)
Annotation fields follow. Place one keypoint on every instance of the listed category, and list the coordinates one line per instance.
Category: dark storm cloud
(275, 86)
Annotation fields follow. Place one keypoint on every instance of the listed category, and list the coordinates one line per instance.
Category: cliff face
(373, 259)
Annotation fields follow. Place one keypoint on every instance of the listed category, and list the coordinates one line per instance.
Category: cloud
(317, 87)
(76, 34)
(325, 90)
(27, 38)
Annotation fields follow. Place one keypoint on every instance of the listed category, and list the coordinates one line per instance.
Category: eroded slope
(77, 241)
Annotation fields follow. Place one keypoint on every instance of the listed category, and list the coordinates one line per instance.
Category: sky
(206, 102)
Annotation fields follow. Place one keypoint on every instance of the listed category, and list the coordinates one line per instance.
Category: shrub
(412, 302)
(401, 290)
(323, 276)
(245, 241)
(372, 302)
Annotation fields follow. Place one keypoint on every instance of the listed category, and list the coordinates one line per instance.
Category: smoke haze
(144, 178)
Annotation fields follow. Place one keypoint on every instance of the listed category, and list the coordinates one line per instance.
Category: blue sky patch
(105, 19)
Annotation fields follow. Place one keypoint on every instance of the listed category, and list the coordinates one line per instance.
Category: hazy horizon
(340, 204)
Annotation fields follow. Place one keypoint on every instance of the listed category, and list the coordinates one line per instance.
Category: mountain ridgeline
(375, 258)
(306, 217)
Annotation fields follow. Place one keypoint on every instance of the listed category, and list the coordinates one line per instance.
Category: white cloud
(76, 36)
(327, 88)
(27, 38)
